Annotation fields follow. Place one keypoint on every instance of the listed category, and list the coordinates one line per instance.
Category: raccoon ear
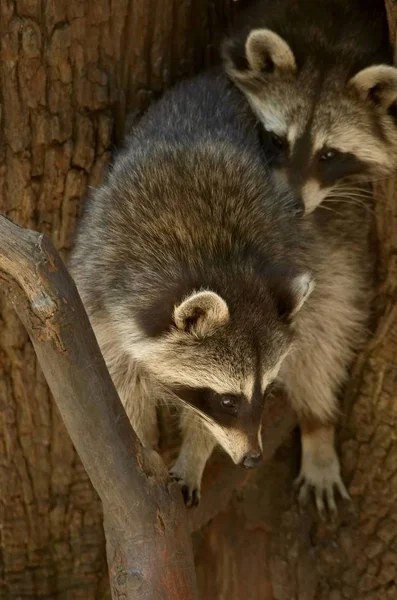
(377, 84)
(301, 287)
(291, 293)
(264, 52)
(201, 313)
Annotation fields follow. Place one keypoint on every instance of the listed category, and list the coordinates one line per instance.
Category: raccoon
(204, 286)
(318, 75)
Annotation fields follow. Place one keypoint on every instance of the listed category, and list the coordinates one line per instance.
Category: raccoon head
(319, 125)
(219, 357)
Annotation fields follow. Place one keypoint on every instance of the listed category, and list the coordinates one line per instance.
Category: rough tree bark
(68, 68)
(261, 547)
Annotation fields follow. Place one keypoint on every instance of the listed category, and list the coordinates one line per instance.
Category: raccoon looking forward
(317, 74)
(203, 285)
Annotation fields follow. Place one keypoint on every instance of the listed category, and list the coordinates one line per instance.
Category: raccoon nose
(251, 460)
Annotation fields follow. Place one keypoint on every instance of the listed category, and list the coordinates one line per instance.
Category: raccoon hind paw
(324, 483)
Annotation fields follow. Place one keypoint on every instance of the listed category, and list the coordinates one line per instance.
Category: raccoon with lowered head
(318, 75)
(203, 284)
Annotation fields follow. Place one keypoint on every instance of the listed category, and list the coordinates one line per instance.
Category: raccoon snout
(251, 460)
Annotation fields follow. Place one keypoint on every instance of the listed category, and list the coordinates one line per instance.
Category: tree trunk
(69, 70)
(261, 547)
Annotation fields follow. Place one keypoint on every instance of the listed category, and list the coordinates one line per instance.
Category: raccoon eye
(278, 141)
(328, 155)
(229, 403)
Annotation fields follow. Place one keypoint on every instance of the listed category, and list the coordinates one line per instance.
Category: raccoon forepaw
(323, 480)
(191, 497)
(191, 493)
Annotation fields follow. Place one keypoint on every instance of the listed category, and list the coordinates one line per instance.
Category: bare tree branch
(148, 545)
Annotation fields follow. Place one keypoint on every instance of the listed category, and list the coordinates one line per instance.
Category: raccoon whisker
(353, 202)
(371, 195)
(343, 190)
(351, 195)
(323, 207)
(355, 197)
(342, 193)
(194, 411)
(364, 180)
(187, 419)
(362, 199)
(356, 202)
(187, 416)
(356, 185)
(191, 415)
(342, 197)
(179, 401)
(198, 424)
(362, 189)
(200, 421)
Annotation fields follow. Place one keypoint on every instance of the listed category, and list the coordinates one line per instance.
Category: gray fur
(190, 207)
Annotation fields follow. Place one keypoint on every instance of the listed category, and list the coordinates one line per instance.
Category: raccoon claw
(324, 492)
(191, 495)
